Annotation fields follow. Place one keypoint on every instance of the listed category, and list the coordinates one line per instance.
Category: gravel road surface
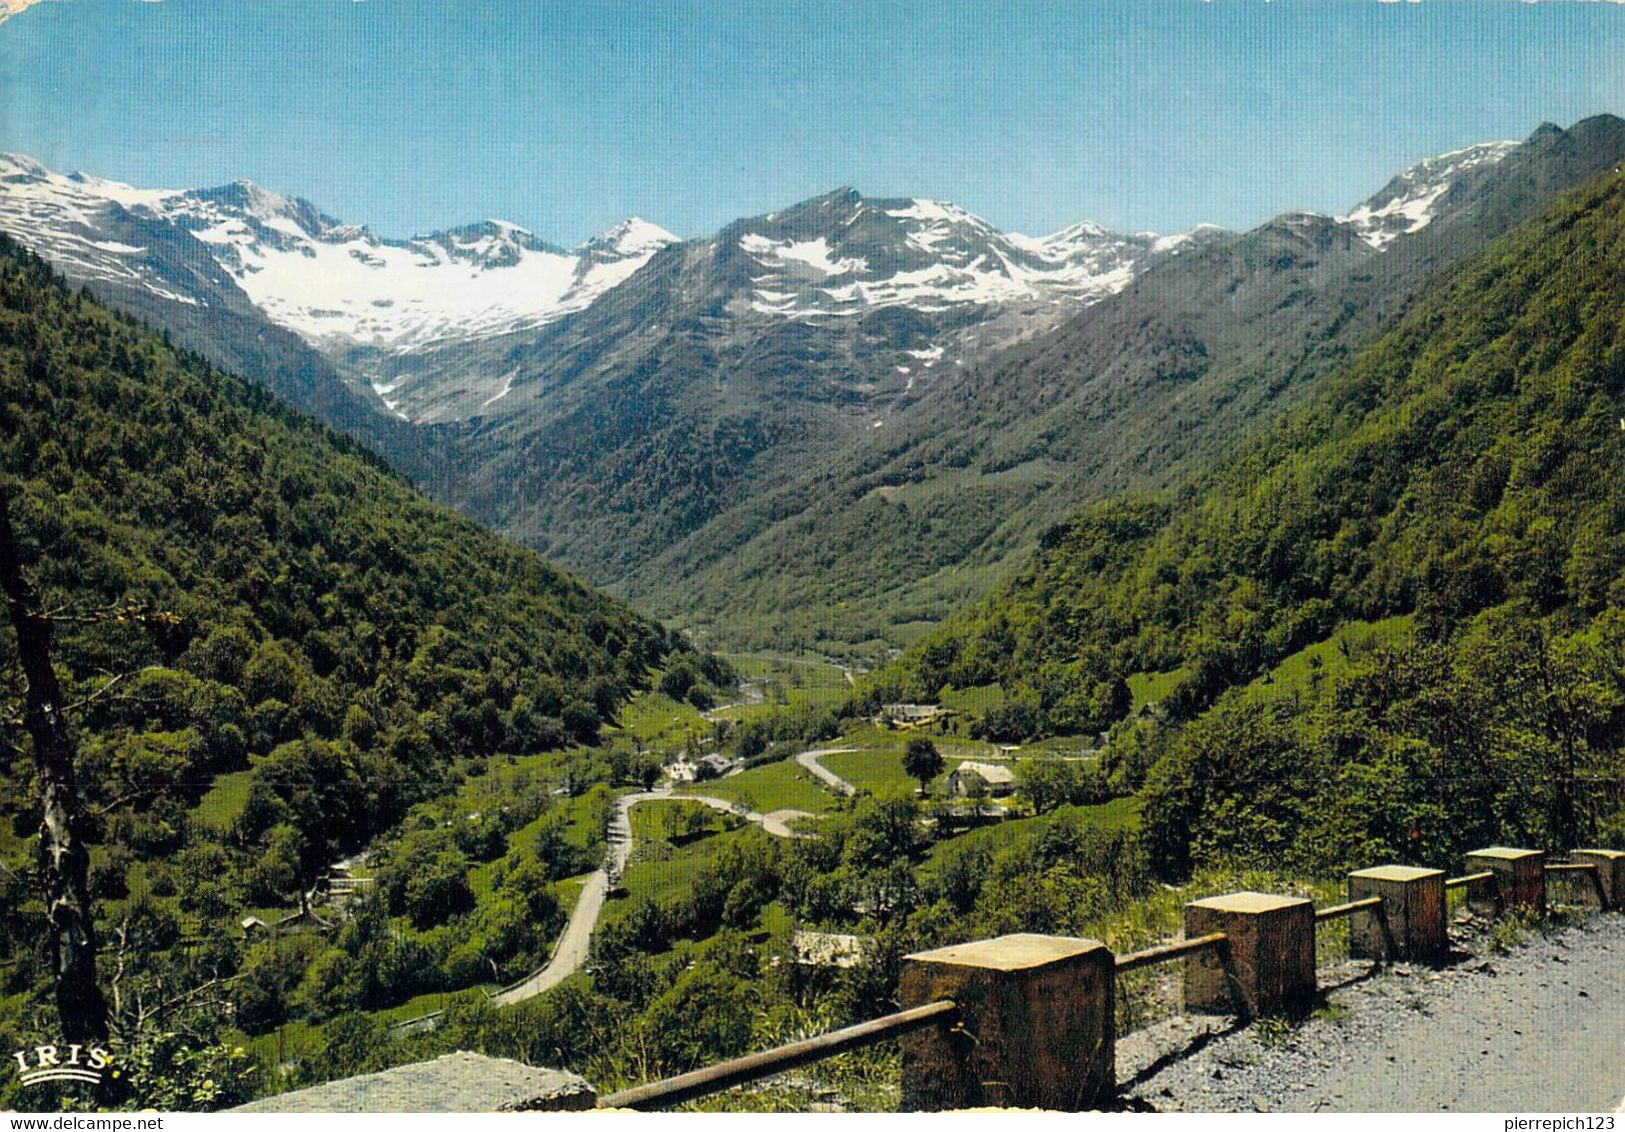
(1539, 1029)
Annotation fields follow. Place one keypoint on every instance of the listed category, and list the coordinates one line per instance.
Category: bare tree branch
(128, 796)
(86, 701)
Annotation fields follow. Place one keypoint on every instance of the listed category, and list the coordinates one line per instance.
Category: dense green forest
(1463, 470)
(275, 650)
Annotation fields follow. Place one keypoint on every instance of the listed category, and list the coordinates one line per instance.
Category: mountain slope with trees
(242, 597)
(1462, 470)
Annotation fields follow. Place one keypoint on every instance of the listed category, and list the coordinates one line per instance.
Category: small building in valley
(699, 770)
(906, 717)
(989, 779)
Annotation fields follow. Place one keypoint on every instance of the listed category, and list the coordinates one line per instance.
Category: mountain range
(834, 422)
(1392, 616)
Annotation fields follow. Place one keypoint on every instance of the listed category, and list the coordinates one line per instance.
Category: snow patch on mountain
(1408, 203)
(1172, 244)
(334, 284)
(814, 254)
(841, 255)
(61, 216)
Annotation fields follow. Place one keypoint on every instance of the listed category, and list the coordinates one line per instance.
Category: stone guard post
(1520, 875)
(1410, 923)
(1610, 871)
(1268, 963)
(1038, 1019)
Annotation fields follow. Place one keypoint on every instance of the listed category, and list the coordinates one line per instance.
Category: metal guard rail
(1169, 951)
(752, 1067)
(715, 1078)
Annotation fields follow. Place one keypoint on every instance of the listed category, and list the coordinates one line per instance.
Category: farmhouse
(985, 778)
(707, 767)
(905, 717)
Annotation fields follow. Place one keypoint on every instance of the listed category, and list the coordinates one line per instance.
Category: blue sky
(566, 117)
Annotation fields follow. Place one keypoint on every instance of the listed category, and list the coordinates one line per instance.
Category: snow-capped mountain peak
(486, 244)
(842, 254)
(334, 284)
(250, 199)
(356, 296)
(1409, 202)
(632, 236)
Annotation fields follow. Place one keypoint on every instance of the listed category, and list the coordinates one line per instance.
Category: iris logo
(59, 1063)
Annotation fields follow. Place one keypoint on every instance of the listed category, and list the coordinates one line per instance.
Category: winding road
(809, 762)
(570, 952)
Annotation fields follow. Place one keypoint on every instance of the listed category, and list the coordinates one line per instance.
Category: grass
(974, 701)
(419, 1005)
(649, 821)
(292, 1041)
(1301, 672)
(568, 891)
(867, 735)
(224, 802)
(786, 684)
(656, 720)
(1149, 687)
(879, 772)
(659, 870)
(1513, 929)
(872, 738)
(777, 786)
(578, 829)
(1058, 745)
(1119, 813)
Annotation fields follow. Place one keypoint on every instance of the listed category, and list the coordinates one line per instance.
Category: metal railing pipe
(1169, 951)
(752, 1067)
(1348, 909)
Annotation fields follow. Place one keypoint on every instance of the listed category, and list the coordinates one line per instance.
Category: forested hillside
(246, 601)
(1463, 470)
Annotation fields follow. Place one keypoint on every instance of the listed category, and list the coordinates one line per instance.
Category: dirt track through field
(809, 762)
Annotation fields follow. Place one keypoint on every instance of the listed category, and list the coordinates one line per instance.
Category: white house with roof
(989, 779)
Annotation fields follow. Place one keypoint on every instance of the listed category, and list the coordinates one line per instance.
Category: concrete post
(1610, 872)
(1520, 875)
(1038, 1025)
(1268, 964)
(1411, 922)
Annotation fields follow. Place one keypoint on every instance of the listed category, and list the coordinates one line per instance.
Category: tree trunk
(64, 858)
